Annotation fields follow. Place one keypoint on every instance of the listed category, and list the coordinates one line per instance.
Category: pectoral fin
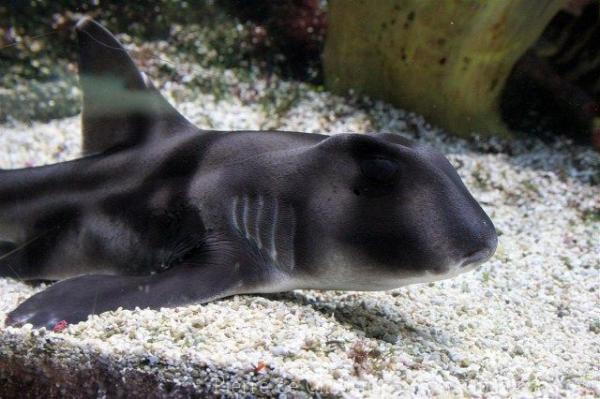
(73, 300)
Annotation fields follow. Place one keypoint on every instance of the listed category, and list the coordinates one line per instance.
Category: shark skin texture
(159, 213)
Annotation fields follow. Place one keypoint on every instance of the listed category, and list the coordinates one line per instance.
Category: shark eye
(379, 169)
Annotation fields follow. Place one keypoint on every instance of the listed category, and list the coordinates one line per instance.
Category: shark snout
(481, 249)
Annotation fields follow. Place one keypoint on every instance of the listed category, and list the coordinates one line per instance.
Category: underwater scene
(300, 198)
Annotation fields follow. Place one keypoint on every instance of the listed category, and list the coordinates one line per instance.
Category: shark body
(160, 213)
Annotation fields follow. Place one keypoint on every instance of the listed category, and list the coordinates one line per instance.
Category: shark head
(392, 211)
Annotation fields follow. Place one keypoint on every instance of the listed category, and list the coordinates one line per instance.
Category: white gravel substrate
(525, 324)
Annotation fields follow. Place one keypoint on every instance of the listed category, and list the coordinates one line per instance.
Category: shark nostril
(478, 256)
(484, 246)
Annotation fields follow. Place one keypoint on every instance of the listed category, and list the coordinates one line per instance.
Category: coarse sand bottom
(525, 324)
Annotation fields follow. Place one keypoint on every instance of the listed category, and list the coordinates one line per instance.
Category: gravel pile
(525, 324)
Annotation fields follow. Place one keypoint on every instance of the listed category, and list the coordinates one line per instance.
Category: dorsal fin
(121, 107)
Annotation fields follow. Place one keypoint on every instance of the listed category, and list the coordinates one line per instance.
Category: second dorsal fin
(121, 107)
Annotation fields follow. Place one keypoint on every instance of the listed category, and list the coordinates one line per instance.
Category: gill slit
(274, 222)
(269, 224)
